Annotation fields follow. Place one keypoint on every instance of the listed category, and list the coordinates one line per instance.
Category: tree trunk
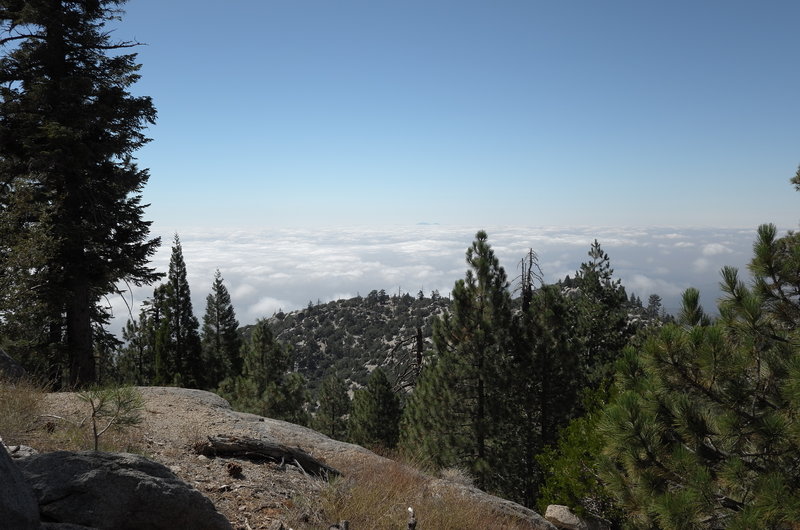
(79, 334)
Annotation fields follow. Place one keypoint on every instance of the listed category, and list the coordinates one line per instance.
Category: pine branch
(6, 40)
(119, 45)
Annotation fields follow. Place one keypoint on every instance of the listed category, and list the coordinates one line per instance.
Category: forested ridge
(572, 392)
(349, 337)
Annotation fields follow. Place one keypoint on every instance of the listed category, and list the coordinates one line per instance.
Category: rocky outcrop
(19, 451)
(115, 491)
(564, 518)
(9, 368)
(17, 501)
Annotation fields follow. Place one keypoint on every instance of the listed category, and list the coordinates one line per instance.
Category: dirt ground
(260, 493)
(264, 494)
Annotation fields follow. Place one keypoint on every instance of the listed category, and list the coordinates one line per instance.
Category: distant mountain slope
(350, 337)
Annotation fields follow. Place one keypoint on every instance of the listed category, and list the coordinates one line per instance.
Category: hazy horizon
(272, 269)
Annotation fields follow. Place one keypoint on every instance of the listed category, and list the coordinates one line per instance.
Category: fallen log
(244, 447)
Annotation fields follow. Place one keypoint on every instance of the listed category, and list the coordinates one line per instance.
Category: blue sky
(299, 143)
(525, 113)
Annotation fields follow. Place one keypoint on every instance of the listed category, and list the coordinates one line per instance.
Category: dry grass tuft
(457, 475)
(378, 495)
(24, 419)
(20, 410)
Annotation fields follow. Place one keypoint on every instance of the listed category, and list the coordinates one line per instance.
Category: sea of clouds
(267, 270)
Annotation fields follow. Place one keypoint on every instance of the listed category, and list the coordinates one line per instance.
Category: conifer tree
(288, 400)
(691, 313)
(136, 362)
(603, 319)
(167, 333)
(220, 339)
(375, 420)
(776, 269)
(542, 389)
(654, 309)
(265, 386)
(458, 410)
(184, 340)
(71, 218)
(334, 406)
(165, 369)
(704, 430)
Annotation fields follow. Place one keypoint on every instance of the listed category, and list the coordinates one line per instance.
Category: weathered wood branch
(245, 447)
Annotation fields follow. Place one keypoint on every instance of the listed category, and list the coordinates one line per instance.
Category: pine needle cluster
(704, 432)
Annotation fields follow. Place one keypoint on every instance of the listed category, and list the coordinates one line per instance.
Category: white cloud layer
(714, 249)
(268, 270)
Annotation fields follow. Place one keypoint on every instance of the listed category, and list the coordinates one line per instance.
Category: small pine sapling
(116, 407)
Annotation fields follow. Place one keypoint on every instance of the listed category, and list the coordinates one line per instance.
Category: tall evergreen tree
(71, 218)
(603, 317)
(136, 363)
(220, 339)
(654, 309)
(145, 358)
(165, 369)
(375, 420)
(334, 406)
(169, 330)
(543, 390)
(183, 325)
(541, 384)
(266, 386)
(455, 414)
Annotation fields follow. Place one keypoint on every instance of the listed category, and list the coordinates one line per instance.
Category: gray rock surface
(566, 519)
(20, 451)
(115, 491)
(9, 368)
(17, 502)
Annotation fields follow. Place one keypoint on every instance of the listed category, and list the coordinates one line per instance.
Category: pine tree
(288, 400)
(266, 387)
(776, 268)
(184, 339)
(220, 339)
(704, 430)
(167, 336)
(71, 222)
(691, 313)
(375, 420)
(603, 319)
(334, 406)
(159, 331)
(542, 390)
(654, 309)
(457, 411)
(571, 466)
(555, 361)
(136, 363)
